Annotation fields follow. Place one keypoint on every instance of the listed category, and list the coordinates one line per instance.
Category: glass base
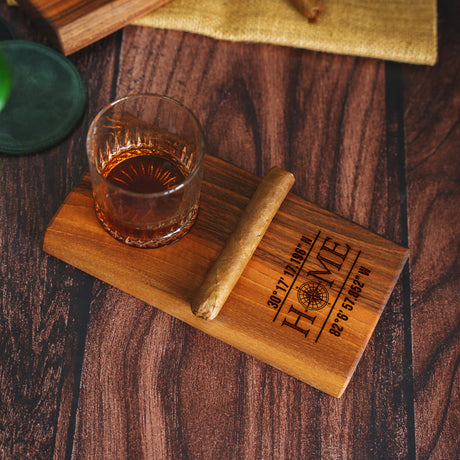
(150, 238)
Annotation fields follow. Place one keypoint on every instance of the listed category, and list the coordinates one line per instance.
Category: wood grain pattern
(231, 97)
(432, 142)
(374, 142)
(43, 305)
(71, 25)
(99, 93)
(350, 271)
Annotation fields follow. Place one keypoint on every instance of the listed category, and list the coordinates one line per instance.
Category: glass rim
(163, 193)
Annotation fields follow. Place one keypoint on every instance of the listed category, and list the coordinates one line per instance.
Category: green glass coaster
(47, 98)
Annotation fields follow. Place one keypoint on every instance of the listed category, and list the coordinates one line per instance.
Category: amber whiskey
(141, 203)
(144, 170)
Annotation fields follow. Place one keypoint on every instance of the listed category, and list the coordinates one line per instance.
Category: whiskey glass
(145, 155)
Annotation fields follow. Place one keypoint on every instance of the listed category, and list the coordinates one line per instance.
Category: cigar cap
(308, 8)
(230, 264)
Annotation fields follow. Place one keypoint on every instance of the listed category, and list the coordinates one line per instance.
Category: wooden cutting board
(307, 302)
(73, 24)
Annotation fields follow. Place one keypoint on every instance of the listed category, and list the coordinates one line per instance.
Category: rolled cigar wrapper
(309, 8)
(230, 264)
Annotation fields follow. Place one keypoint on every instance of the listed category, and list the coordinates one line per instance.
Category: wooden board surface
(71, 25)
(307, 303)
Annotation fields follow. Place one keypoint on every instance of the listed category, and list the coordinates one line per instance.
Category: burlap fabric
(398, 30)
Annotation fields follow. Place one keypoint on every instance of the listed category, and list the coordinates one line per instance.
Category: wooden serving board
(307, 303)
(73, 24)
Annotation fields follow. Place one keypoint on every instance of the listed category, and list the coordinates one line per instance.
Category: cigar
(309, 8)
(227, 269)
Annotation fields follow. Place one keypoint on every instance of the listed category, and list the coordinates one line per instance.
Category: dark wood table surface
(86, 371)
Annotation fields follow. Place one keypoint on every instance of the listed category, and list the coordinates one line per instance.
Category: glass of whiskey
(145, 154)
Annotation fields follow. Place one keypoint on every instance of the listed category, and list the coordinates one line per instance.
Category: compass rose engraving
(312, 295)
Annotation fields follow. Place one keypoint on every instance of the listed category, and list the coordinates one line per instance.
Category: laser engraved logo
(315, 269)
(313, 295)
